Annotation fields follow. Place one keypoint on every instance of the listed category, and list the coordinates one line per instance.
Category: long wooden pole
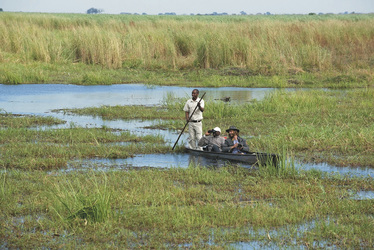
(188, 120)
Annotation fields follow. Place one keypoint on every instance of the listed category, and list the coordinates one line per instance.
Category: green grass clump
(21, 121)
(92, 207)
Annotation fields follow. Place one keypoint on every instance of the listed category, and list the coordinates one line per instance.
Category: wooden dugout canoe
(251, 158)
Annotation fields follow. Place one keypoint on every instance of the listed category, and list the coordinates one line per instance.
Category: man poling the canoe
(193, 109)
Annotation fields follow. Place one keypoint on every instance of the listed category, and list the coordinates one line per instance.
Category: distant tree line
(94, 11)
(98, 11)
(243, 13)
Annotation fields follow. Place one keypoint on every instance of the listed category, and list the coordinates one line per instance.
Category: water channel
(42, 99)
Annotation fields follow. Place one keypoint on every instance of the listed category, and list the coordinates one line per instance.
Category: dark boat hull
(251, 158)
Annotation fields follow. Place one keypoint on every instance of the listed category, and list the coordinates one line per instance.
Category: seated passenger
(212, 140)
(234, 143)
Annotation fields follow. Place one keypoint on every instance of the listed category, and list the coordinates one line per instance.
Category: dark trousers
(215, 148)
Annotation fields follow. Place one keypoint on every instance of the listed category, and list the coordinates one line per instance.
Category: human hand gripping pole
(188, 121)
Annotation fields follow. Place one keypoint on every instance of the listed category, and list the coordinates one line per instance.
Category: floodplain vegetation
(196, 208)
(331, 126)
(249, 51)
(41, 149)
(43, 204)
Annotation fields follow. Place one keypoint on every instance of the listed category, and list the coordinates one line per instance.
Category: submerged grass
(197, 206)
(52, 148)
(126, 112)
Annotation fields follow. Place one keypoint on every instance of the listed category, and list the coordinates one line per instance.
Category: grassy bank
(177, 208)
(25, 148)
(318, 126)
(328, 50)
(26, 121)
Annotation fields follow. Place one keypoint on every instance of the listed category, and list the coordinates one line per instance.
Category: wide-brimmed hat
(232, 128)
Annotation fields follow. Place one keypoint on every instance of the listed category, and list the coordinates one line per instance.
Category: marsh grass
(20, 121)
(50, 148)
(328, 122)
(73, 203)
(3, 191)
(282, 166)
(335, 48)
(334, 126)
(126, 112)
(197, 206)
(49, 156)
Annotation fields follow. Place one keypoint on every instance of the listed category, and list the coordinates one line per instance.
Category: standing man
(195, 126)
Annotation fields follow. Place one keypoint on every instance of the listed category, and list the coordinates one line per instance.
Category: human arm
(203, 141)
(226, 147)
(221, 142)
(200, 105)
(244, 146)
(232, 143)
(229, 145)
(187, 115)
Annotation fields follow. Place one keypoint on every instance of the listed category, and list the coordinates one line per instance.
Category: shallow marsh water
(183, 161)
(42, 99)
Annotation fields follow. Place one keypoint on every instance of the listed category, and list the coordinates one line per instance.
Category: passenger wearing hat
(212, 140)
(234, 143)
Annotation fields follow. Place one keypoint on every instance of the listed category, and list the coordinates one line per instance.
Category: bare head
(195, 94)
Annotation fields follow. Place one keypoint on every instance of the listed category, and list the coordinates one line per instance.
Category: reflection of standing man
(195, 126)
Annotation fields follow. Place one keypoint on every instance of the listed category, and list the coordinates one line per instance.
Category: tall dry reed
(263, 45)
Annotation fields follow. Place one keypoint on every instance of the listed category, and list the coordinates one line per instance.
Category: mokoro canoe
(251, 158)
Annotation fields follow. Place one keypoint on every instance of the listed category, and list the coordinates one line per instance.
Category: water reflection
(180, 160)
(352, 171)
(292, 232)
(42, 98)
(184, 160)
(364, 195)
(137, 127)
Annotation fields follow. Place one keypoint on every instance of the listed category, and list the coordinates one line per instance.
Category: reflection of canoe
(251, 158)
